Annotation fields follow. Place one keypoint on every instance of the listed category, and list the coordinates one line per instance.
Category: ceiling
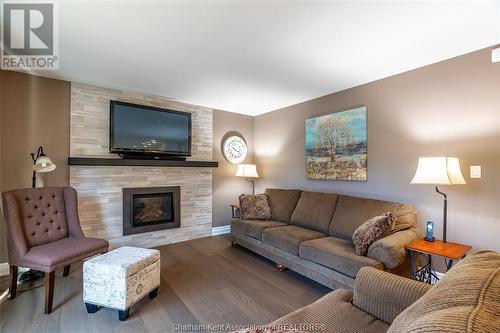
(255, 57)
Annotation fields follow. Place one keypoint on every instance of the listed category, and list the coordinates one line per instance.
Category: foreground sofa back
(466, 299)
(311, 233)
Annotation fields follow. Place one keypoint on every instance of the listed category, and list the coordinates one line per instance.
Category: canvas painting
(336, 146)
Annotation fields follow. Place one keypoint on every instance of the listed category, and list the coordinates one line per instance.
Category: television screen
(136, 129)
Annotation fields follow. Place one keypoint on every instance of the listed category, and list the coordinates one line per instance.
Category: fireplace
(148, 209)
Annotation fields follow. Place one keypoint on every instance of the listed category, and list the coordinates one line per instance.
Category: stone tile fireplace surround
(100, 187)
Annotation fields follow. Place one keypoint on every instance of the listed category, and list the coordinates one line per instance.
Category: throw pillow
(254, 207)
(371, 230)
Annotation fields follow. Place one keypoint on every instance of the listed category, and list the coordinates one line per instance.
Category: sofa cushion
(254, 207)
(337, 254)
(333, 313)
(282, 203)
(466, 299)
(371, 230)
(315, 210)
(253, 228)
(289, 237)
(351, 212)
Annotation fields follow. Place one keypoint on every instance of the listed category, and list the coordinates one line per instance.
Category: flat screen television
(138, 130)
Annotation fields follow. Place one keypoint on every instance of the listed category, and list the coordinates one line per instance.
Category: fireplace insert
(148, 209)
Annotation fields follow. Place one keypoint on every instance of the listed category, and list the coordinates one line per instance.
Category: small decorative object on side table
(449, 251)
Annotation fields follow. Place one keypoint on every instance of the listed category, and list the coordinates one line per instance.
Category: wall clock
(234, 149)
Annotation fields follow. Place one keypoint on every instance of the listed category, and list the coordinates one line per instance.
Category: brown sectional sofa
(311, 233)
(466, 299)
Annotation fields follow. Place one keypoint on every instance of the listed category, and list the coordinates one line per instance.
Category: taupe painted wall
(452, 107)
(226, 187)
(34, 111)
(448, 108)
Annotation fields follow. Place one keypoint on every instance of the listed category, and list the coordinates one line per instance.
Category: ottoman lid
(126, 260)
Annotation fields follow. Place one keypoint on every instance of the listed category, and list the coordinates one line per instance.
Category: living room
(250, 166)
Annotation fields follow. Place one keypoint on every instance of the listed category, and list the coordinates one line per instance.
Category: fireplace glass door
(151, 209)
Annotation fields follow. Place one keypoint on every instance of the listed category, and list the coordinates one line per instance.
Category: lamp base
(30, 275)
(430, 239)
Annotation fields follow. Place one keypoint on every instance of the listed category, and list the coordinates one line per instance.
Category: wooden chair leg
(49, 291)
(13, 282)
(66, 270)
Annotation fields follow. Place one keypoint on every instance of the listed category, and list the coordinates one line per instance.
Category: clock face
(234, 149)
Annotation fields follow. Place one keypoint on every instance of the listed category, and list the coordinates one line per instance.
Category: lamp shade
(438, 171)
(247, 171)
(44, 164)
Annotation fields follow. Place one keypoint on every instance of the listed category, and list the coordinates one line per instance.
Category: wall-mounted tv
(137, 130)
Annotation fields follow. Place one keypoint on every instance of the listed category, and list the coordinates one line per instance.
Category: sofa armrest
(391, 250)
(385, 295)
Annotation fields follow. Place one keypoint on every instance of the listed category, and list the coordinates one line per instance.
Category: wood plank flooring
(203, 282)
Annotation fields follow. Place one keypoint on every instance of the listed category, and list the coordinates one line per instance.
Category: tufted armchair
(44, 233)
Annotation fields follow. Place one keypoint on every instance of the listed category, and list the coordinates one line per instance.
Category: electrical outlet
(475, 171)
(495, 55)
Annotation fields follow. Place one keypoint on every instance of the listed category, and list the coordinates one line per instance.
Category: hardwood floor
(203, 282)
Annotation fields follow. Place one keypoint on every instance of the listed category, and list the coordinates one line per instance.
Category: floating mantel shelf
(97, 161)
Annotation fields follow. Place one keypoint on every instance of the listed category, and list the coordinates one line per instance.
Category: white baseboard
(4, 268)
(4, 295)
(225, 229)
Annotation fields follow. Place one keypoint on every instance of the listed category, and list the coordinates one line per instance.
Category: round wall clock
(234, 149)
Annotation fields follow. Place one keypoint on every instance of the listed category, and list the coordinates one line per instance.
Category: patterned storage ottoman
(120, 278)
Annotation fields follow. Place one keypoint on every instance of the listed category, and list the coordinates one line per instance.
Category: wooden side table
(449, 251)
(234, 210)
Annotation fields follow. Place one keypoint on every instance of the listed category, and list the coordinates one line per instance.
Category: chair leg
(66, 270)
(49, 291)
(13, 282)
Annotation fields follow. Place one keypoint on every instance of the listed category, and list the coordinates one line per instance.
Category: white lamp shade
(44, 164)
(438, 171)
(247, 171)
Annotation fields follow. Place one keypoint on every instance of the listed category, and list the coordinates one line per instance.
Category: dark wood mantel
(97, 161)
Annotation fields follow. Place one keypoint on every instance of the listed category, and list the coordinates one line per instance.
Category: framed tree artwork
(336, 146)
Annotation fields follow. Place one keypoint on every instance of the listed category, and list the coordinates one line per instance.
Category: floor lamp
(41, 163)
(249, 172)
(439, 171)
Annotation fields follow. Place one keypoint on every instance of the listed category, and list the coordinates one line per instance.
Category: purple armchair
(44, 233)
